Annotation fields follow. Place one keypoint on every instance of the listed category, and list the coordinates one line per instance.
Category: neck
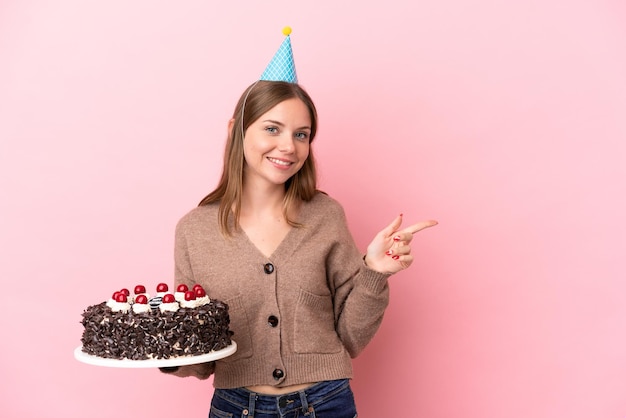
(258, 199)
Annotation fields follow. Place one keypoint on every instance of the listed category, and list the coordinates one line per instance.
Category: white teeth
(279, 162)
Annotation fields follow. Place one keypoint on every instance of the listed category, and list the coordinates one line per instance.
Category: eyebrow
(282, 124)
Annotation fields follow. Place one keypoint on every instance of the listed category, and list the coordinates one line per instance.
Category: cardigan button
(273, 321)
(278, 374)
(268, 268)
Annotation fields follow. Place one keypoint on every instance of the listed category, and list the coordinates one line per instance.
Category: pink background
(503, 120)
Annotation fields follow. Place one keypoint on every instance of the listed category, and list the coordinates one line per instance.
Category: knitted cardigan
(298, 315)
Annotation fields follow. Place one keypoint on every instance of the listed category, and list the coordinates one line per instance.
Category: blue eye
(302, 136)
(271, 129)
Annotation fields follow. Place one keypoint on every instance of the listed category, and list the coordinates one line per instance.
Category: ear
(231, 123)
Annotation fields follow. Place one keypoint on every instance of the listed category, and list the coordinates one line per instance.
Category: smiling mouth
(280, 162)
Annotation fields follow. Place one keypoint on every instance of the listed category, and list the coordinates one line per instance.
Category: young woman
(302, 299)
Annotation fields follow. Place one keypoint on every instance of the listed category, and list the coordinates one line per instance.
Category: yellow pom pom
(286, 31)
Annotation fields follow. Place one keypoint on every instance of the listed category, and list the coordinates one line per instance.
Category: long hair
(259, 98)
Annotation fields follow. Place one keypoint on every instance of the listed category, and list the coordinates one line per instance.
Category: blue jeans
(331, 399)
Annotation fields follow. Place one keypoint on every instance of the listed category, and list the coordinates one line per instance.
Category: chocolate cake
(186, 323)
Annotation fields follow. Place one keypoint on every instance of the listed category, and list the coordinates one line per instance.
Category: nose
(285, 143)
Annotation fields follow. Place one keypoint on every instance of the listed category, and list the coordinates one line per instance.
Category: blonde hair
(259, 98)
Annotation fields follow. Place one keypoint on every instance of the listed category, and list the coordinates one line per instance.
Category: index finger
(420, 226)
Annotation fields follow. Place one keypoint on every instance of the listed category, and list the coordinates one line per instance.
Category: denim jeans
(331, 399)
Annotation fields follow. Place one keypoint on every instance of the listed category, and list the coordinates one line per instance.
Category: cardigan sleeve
(183, 274)
(360, 294)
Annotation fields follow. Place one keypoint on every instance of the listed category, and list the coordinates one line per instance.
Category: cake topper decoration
(282, 67)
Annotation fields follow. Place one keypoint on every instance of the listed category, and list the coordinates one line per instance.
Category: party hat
(282, 67)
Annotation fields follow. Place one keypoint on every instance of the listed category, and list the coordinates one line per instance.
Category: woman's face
(276, 145)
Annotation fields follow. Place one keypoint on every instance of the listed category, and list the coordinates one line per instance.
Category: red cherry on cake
(140, 289)
(142, 299)
(197, 286)
(114, 296)
(162, 287)
(190, 295)
(200, 293)
(120, 297)
(125, 291)
(168, 298)
(182, 288)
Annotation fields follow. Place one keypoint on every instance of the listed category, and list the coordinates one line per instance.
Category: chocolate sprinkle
(155, 334)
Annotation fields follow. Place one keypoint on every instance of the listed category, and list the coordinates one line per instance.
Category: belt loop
(251, 404)
(304, 402)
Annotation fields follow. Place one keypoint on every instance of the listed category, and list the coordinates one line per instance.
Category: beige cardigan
(297, 316)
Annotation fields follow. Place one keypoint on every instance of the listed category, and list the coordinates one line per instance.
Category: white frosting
(190, 303)
(179, 296)
(171, 307)
(141, 307)
(118, 306)
(203, 300)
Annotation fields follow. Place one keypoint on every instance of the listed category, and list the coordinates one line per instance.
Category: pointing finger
(420, 226)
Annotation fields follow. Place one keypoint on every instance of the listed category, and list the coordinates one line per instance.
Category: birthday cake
(167, 325)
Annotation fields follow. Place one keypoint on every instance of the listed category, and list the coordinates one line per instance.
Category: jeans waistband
(303, 399)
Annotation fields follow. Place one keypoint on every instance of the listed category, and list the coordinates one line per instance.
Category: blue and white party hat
(282, 67)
